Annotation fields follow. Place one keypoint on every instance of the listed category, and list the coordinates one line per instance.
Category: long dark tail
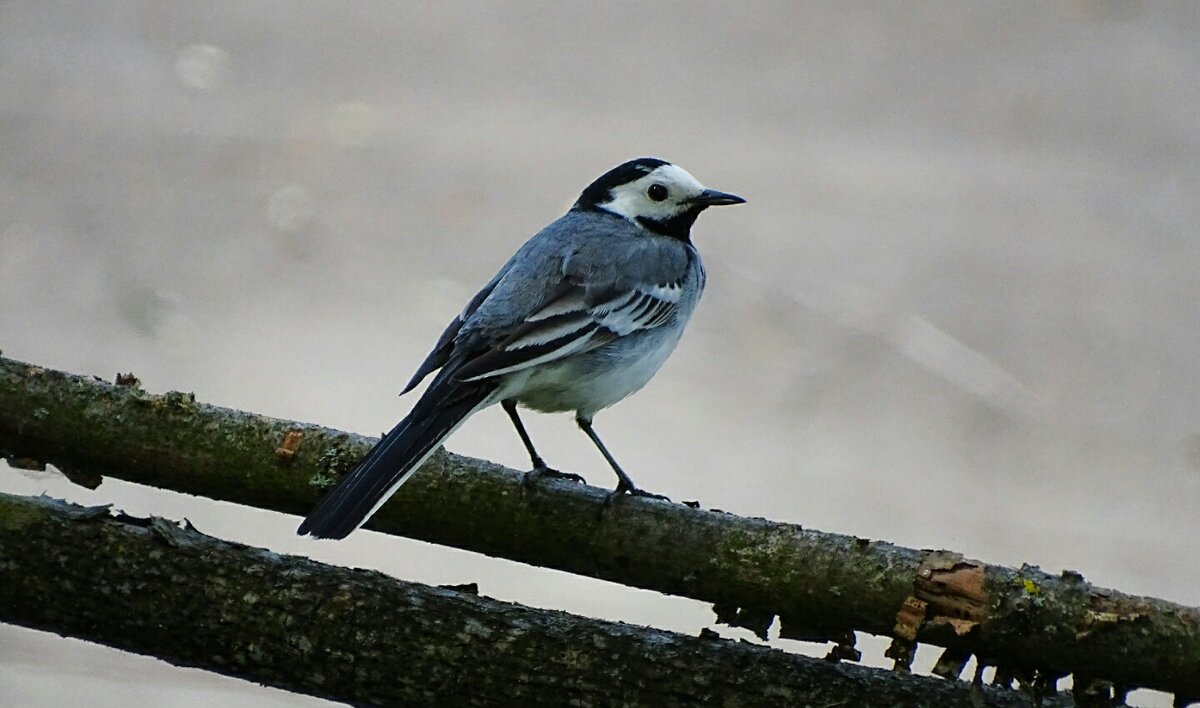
(393, 459)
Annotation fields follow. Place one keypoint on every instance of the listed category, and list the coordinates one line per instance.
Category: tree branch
(152, 587)
(820, 585)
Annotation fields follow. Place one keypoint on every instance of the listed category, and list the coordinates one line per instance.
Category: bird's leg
(540, 469)
(624, 483)
(539, 465)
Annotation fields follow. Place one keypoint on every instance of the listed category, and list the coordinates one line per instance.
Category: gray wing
(605, 289)
(445, 343)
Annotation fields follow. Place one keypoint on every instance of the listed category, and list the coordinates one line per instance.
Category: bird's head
(654, 194)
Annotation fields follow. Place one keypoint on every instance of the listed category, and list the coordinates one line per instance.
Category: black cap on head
(598, 192)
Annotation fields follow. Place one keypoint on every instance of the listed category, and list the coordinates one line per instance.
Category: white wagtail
(579, 318)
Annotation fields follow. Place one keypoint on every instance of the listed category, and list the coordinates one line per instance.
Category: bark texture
(150, 586)
(1033, 625)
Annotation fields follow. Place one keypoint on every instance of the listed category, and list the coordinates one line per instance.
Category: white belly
(596, 380)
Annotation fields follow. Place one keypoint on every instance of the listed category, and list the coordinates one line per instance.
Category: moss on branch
(153, 587)
(1030, 623)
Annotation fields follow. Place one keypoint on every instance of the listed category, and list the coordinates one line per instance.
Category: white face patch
(633, 199)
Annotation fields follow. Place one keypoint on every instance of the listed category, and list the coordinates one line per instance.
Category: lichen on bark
(153, 587)
(819, 585)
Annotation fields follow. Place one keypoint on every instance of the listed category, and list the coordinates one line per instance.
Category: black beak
(711, 197)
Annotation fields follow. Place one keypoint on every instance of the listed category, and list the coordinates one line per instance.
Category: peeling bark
(1031, 624)
(150, 586)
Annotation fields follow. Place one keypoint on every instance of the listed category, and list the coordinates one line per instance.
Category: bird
(581, 316)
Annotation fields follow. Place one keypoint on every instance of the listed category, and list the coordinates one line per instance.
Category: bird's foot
(623, 489)
(539, 471)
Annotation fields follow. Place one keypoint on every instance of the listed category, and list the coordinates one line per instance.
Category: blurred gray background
(960, 310)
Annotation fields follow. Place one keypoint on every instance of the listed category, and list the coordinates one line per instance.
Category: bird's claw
(622, 490)
(533, 475)
(648, 495)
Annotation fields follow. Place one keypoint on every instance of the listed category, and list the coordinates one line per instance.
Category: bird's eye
(657, 192)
